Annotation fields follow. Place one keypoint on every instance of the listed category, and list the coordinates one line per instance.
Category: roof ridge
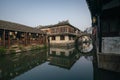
(18, 27)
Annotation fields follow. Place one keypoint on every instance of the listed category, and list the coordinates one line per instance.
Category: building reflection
(14, 65)
(63, 57)
(106, 67)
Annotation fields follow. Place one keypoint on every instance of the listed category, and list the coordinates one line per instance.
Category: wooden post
(26, 39)
(46, 39)
(99, 34)
(30, 38)
(9, 40)
(39, 38)
(3, 38)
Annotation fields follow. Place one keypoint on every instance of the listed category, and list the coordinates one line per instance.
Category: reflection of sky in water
(81, 70)
(87, 47)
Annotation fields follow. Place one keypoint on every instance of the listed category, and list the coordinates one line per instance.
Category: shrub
(45, 47)
(38, 48)
(35, 48)
(22, 48)
(12, 51)
(2, 51)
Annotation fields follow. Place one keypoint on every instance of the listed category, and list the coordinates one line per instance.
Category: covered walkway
(17, 34)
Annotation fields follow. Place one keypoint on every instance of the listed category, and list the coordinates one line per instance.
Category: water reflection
(58, 64)
(16, 64)
(106, 67)
(63, 57)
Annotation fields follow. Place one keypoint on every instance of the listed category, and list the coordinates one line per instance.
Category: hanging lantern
(36, 34)
(94, 19)
(16, 32)
(22, 35)
(29, 34)
(10, 33)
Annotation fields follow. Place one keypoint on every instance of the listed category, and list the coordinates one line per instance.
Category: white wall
(111, 45)
(57, 40)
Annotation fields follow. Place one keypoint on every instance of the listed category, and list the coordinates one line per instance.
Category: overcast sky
(46, 12)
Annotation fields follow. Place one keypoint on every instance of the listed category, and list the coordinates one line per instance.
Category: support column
(26, 39)
(29, 38)
(99, 34)
(45, 39)
(3, 38)
(40, 39)
(9, 39)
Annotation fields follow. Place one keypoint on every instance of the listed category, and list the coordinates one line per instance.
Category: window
(63, 29)
(70, 52)
(62, 37)
(53, 30)
(53, 37)
(62, 53)
(54, 52)
(70, 37)
(110, 27)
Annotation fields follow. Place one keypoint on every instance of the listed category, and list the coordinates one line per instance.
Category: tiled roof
(95, 5)
(58, 24)
(18, 27)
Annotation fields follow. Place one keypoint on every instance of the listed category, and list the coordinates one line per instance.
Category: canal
(53, 64)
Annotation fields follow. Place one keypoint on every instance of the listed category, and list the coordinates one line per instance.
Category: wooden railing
(20, 42)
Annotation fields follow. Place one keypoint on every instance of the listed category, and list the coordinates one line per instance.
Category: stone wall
(109, 62)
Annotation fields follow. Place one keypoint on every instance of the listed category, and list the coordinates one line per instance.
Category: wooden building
(17, 34)
(61, 34)
(105, 15)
